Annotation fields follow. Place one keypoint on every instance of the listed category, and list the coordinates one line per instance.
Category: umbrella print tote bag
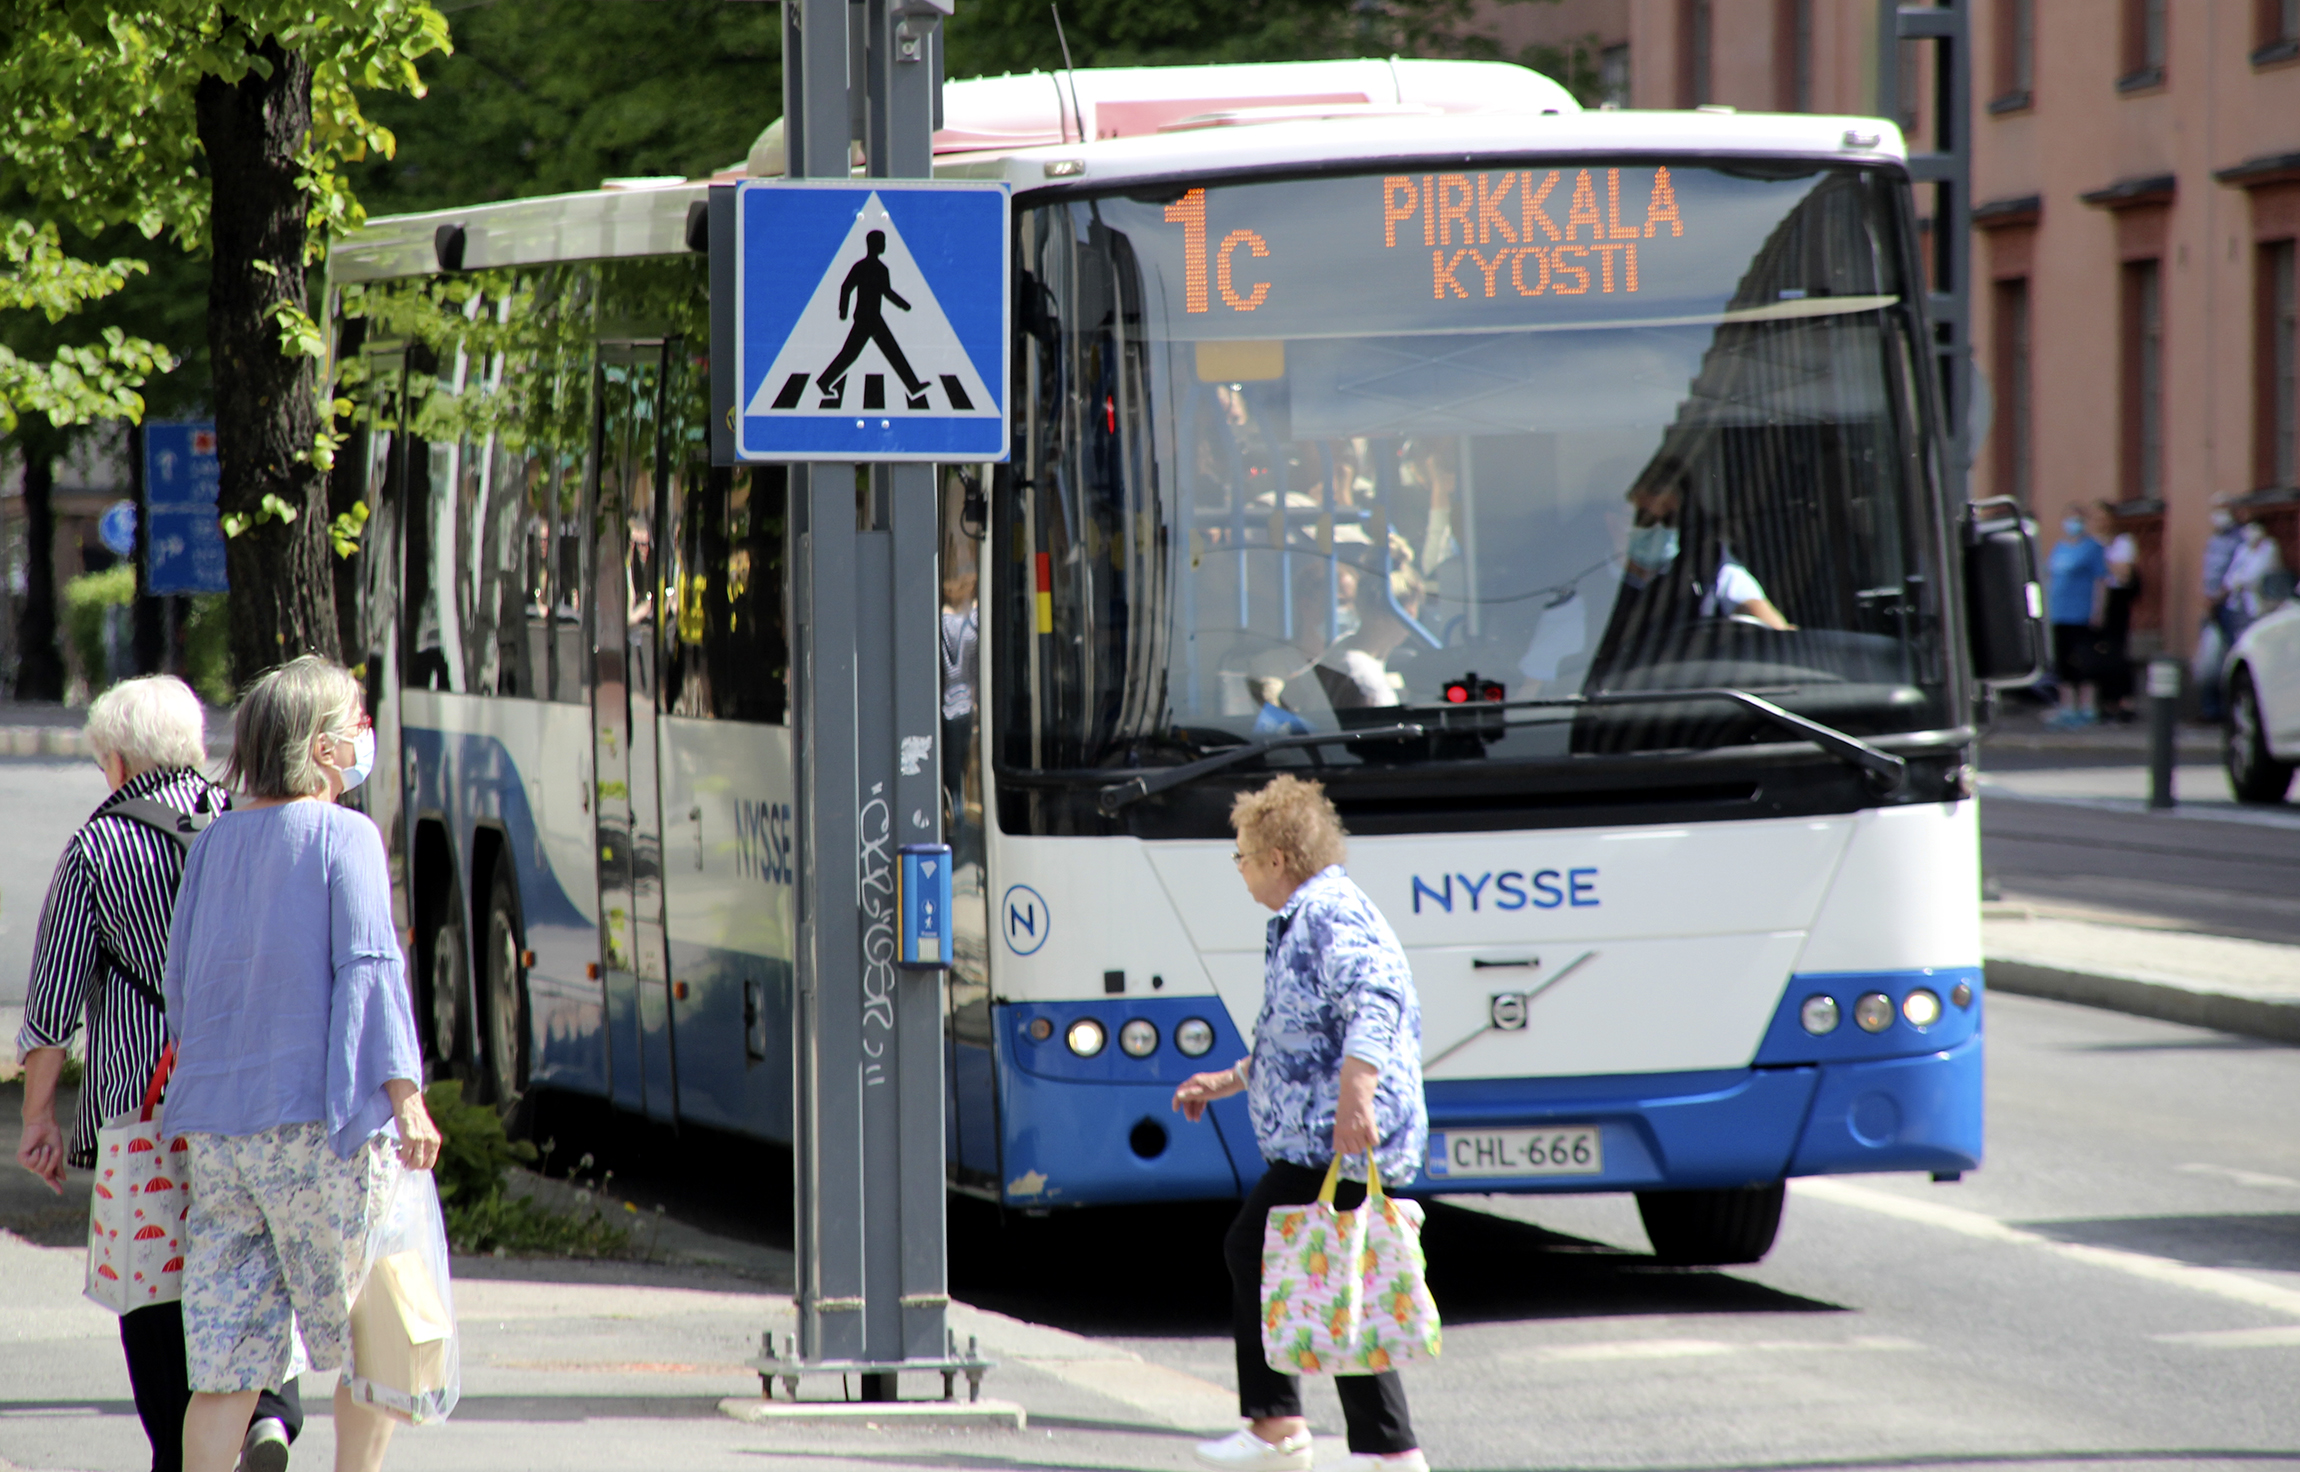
(1312, 1285)
(136, 1211)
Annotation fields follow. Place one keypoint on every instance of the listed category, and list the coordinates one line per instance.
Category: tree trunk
(267, 410)
(39, 664)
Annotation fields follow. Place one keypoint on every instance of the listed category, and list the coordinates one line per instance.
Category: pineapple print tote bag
(1398, 1319)
(1312, 1284)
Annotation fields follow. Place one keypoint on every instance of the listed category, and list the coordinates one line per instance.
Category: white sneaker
(1243, 1451)
(266, 1446)
(1412, 1461)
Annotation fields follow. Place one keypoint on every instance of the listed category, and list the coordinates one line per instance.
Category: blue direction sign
(872, 319)
(184, 547)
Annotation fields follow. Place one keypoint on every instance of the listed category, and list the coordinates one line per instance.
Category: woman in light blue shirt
(297, 1073)
(1336, 1070)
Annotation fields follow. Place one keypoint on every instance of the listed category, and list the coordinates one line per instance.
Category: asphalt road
(41, 803)
(2118, 1286)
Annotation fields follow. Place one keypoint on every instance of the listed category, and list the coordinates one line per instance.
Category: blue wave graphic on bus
(1512, 889)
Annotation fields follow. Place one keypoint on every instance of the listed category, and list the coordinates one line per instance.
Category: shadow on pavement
(2259, 1241)
(1483, 1269)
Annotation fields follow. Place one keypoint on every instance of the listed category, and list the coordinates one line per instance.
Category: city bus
(1567, 490)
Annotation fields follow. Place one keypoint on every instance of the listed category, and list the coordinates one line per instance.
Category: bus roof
(1099, 127)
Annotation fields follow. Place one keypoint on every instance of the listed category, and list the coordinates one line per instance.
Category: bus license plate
(1561, 1150)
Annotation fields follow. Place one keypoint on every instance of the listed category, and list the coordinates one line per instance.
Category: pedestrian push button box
(922, 897)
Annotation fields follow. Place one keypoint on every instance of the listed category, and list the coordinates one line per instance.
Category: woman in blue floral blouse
(1336, 1069)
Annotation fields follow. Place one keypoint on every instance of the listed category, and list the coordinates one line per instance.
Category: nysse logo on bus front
(1498, 233)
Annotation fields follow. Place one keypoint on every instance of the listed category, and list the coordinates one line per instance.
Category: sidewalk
(621, 1364)
(41, 728)
(2240, 986)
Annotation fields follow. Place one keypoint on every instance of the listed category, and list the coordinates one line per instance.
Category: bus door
(633, 963)
(970, 1051)
(371, 643)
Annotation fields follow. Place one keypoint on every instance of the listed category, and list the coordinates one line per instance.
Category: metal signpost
(859, 334)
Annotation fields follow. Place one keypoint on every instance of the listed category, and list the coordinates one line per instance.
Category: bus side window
(726, 654)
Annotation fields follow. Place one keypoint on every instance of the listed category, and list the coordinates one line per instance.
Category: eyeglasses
(1239, 857)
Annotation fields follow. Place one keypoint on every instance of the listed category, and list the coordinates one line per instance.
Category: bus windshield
(1336, 452)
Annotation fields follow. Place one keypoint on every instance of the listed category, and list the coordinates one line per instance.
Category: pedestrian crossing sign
(872, 319)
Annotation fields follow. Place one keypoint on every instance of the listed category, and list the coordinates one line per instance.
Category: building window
(1793, 54)
(1693, 53)
(2016, 56)
(1613, 75)
(2015, 462)
(2143, 381)
(1912, 83)
(2278, 365)
(2147, 44)
(2277, 33)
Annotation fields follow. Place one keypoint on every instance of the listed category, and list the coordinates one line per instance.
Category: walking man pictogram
(869, 284)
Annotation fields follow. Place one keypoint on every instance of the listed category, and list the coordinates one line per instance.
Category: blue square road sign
(872, 319)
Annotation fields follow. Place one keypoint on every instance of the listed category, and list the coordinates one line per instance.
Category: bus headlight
(1921, 1007)
(1086, 1037)
(1138, 1038)
(1874, 1012)
(1195, 1037)
(1819, 1014)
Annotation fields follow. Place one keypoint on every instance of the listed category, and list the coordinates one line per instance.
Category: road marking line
(2217, 1282)
(1672, 1349)
(2281, 1337)
(2242, 1177)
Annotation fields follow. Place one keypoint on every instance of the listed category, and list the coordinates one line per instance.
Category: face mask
(2254, 532)
(1654, 546)
(2222, 521)
(2074, 526)
(362, 759)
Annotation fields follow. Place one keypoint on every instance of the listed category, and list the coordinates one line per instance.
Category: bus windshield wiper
(1883, 769)
(1142, 785)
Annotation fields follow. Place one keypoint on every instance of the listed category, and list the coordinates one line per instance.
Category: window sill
(2020, 101)
(2146, 79)
(2276, 53)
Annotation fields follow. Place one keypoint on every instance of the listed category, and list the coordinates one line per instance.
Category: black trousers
(1373, 1406)
(154, 1340)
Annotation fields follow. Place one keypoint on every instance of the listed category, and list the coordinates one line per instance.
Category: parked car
(2261, 744)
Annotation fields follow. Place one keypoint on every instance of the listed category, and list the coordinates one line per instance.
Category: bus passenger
(1356, 672)
(1336, 1071)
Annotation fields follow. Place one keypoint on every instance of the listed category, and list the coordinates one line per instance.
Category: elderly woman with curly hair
(297, 1076)
(1336, 1070)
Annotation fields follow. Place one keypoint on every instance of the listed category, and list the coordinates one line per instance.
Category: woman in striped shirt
(103, 939)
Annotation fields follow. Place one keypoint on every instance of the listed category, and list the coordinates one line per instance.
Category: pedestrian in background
(2077, 574)
(102, 941)
(2222, 622)
(2257, 559)
(1336, 1070)
(296, 1061)
(2114, 645)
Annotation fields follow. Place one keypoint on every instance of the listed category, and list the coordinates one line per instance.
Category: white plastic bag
(405, 1352)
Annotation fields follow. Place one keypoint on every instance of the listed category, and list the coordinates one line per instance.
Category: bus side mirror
(2004, 604)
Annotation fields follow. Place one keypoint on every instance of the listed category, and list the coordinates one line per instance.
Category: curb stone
(2252, 1017)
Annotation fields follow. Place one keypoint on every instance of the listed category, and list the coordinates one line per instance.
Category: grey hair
(282, 714)
(151, 723)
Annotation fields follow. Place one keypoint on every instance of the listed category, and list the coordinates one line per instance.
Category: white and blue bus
(1566, 490)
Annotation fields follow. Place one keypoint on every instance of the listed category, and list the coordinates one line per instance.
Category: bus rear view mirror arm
(1120, 794)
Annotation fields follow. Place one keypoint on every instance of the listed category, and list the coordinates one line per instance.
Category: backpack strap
(180, 828)
(172, 823)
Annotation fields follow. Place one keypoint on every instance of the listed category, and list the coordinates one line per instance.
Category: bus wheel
(450, 994)
(503, 1001)
(2254, 774)
(1712, 1228)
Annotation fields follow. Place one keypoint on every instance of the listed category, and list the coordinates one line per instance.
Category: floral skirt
(276, 1241)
